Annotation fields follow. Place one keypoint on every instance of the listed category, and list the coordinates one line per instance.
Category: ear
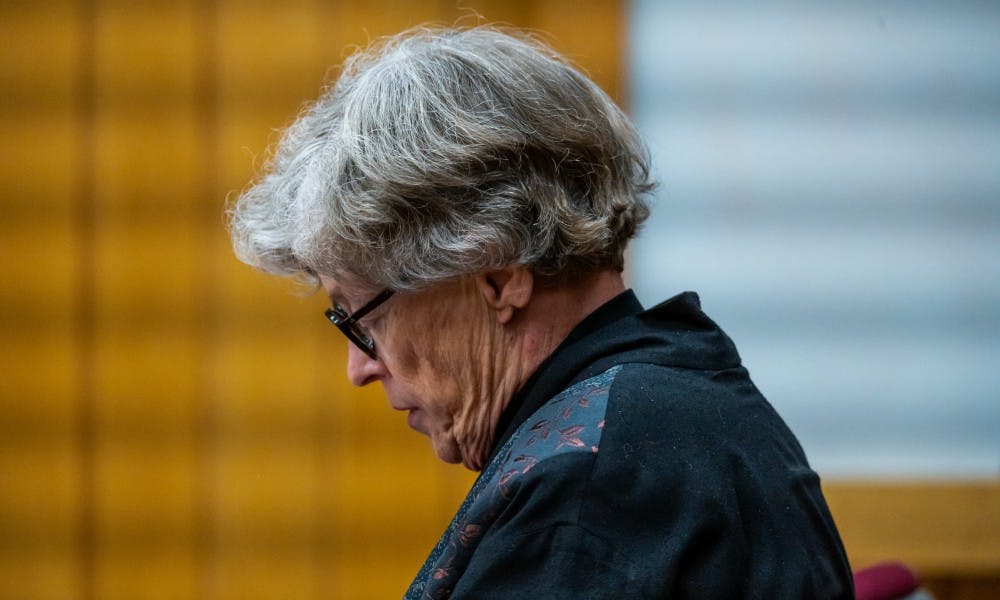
(506, 290)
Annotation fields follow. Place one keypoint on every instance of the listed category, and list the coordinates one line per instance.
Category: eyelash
(367, 321)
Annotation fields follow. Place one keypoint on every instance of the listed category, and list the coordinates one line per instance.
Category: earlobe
(506, 290)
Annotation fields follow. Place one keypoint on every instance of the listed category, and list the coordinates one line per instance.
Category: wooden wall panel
(940, 529)
(266, 419)
(948, 532)
(146, 206)
(593, 38)
(39, 480)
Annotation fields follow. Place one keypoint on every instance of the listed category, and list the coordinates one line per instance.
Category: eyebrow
(340, 301)
(337, 298)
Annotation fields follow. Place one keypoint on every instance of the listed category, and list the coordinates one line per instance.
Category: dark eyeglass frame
(349, 326)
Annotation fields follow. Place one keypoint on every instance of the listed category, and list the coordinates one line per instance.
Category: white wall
(830, 185)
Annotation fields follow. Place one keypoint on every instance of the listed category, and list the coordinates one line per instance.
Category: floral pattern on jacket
(571, 422)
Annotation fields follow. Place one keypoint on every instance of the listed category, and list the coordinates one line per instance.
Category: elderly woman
(465, 197)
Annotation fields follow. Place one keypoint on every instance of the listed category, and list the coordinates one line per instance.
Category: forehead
(343, 289)
(330, 285)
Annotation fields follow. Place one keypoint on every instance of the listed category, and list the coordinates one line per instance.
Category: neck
(555, 310)
(527, 340)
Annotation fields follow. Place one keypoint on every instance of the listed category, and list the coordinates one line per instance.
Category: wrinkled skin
(453, 355)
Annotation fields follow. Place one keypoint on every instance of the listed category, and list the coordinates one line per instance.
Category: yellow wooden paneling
(500, 12)
(38, 56)
(39, 462)
(40, 495)
(38, 274)
(52, 574)
(268, 53)
(37, 388)
(38, 186)
(260, 375)
(371, 576)
(146, 350)
(938, 528)
(38, 457)
(246, 133)
(147, 162)
(146, 487)
(145, 467)
(148, 571)
(283, 572)
(267, 485)
(594, 39)
(378, 479)
(145, 54)
(357, 24)
(147, 273)
(147, 377)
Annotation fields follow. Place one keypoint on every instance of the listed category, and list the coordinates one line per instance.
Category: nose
(361, 368)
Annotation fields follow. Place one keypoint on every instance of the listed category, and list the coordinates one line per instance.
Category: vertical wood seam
(83, 327)
(207, 321)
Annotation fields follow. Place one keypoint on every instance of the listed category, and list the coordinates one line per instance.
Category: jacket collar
(675, 333)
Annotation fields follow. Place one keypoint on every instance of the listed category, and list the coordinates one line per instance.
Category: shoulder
(711, 474)
(660, 479)
(547, 462)
(694, 407)
(705, 434)
(653, 424)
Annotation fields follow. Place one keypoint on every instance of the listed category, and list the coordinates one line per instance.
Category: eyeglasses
(350, 327)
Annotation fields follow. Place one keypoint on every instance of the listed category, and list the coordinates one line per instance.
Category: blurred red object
(884, 581)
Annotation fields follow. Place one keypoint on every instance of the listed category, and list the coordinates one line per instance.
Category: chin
(447, 451)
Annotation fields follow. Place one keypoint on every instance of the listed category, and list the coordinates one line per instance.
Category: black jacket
(640, 461)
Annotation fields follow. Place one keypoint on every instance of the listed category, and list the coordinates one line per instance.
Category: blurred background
(175, 425)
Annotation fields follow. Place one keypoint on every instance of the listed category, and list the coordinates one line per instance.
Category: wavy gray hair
(443, 152)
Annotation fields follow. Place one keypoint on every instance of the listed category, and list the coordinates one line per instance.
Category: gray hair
(444, 152)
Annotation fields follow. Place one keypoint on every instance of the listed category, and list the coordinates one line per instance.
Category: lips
(413, 420)
(395, 404)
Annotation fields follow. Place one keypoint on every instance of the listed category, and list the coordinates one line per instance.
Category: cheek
(472, 358)
(464, 336)
(403, 356)
(435, 347)
(415, 361)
